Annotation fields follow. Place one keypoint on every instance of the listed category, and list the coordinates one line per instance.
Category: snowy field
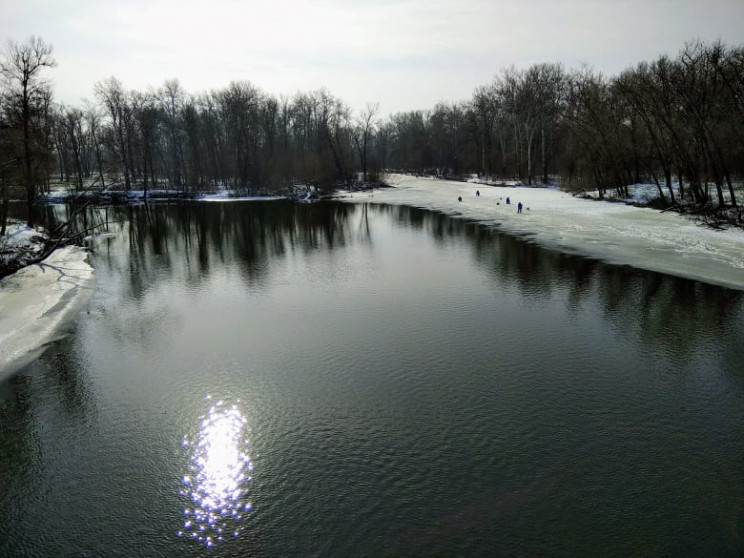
(613, 232)
(36, 300)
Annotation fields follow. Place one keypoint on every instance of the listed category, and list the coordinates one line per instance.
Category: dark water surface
(277, 379)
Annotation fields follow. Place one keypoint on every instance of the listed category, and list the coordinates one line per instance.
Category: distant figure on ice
(459, 198)
(519, 207)
(477, 193)
(508, 201)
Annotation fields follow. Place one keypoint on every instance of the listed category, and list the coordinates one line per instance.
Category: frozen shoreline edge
(37, 301)
(616, 234)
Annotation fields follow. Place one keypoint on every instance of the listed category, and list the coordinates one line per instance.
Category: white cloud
(406, 54)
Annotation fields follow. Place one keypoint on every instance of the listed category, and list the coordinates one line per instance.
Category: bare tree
(11, 162)
(71, 124)
(171, 101)
(112, 95)
(28, 95)
(365, 127)
(93, 124)
(145, 115)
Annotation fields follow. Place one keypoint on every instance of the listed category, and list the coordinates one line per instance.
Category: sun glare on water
(219, 471)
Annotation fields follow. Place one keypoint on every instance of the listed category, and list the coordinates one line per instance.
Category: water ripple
(219, 470)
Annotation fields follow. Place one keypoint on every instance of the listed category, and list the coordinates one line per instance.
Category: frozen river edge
(36, 301)
(615, 233)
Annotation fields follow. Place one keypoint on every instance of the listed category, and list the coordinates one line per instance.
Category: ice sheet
(36, 301)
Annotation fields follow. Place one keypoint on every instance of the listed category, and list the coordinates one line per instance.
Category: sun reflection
(219, 471)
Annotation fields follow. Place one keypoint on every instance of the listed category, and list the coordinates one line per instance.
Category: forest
(677, 122)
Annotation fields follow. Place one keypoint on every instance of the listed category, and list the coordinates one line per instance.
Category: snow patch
(19, 236)
(226, 197)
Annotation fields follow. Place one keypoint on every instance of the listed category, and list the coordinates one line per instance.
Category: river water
(279, 379)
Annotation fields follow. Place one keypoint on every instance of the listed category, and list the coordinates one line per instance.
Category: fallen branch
(61, 238)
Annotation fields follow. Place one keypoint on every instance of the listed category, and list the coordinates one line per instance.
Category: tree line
(676, 121)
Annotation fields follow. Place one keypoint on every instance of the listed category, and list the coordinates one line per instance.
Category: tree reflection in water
(197, 239)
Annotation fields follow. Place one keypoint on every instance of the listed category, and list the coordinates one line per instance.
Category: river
(330, 379)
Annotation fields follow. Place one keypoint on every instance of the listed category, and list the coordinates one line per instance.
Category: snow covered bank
(36, 301)
(18, 245)
(222, 197)
(616, 233)
(136, 197)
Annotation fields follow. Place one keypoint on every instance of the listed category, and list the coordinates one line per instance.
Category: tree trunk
(100, 166)
(668, 178)
(28, 175)
(544, 158)
(144, 173)
(731, 189)
(4, 208)
(719, 192)
(658, 186)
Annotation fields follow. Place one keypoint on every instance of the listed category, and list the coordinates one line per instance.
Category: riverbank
(616, 233)
(18, 246)
(36, 300)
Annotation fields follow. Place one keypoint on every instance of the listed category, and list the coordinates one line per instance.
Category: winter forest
(677, 122)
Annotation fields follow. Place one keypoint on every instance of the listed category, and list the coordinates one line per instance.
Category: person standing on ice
(519, 207)
(507, 201)
(477, 193)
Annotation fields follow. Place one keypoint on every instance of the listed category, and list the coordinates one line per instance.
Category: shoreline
(614, 233)
(38, 299)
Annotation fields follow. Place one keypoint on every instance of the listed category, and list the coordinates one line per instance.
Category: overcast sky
(404, 54)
